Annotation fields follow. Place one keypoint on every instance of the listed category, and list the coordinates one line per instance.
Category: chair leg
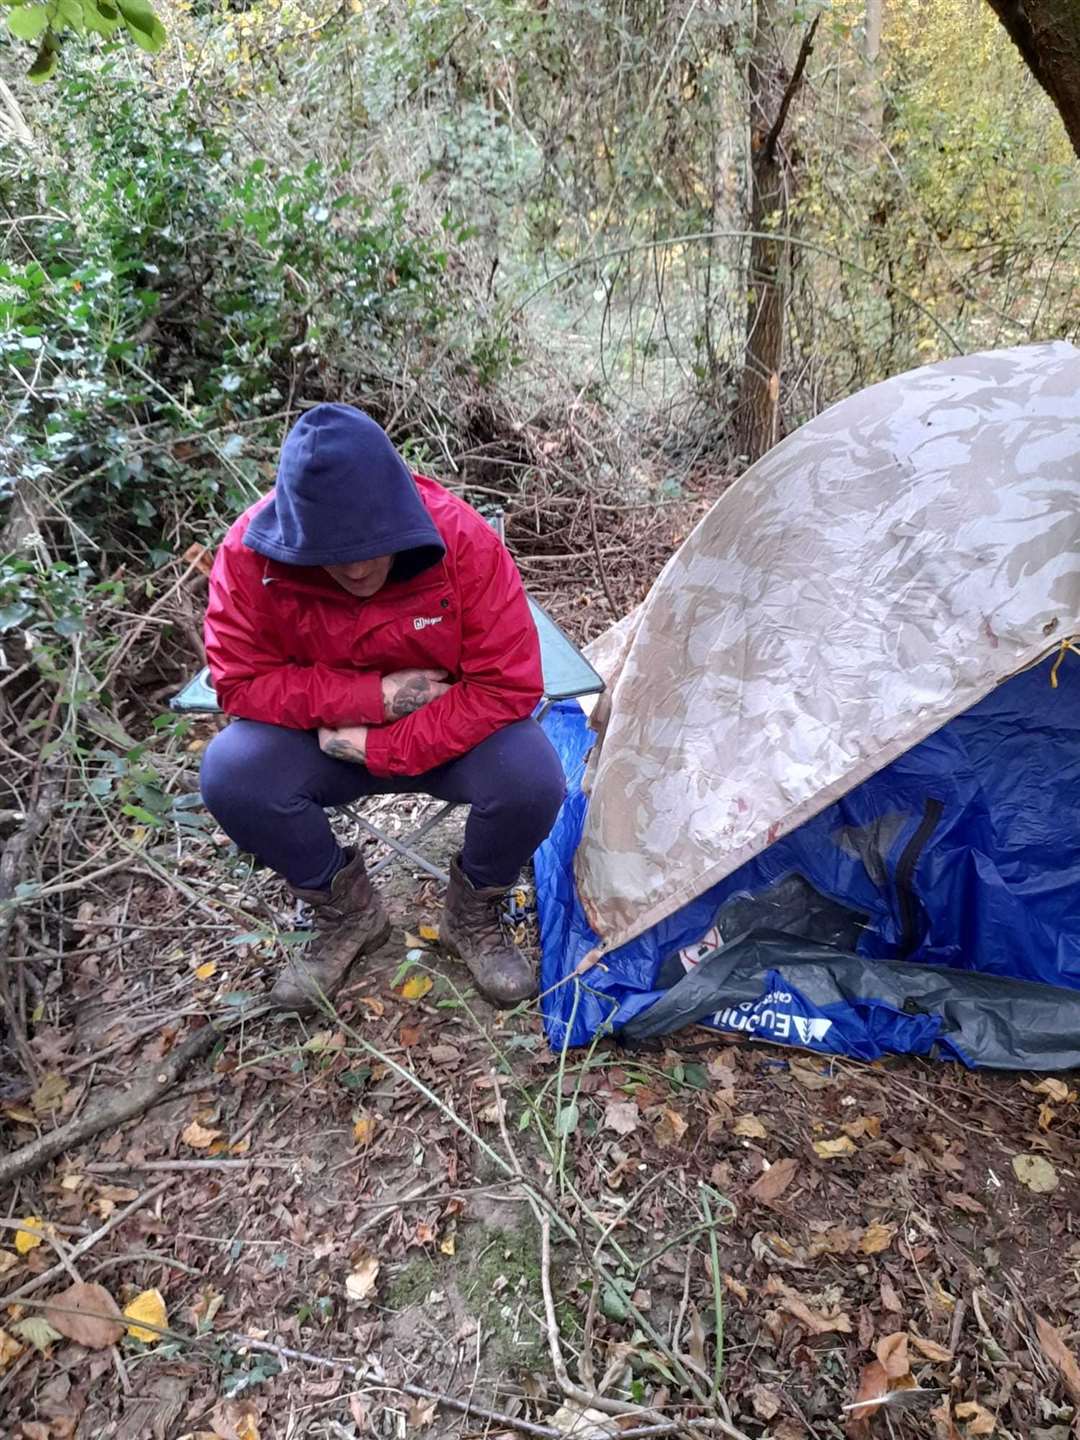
(403, 848)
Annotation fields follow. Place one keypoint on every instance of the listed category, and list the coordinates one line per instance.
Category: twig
(116, 1107)
(601, 567)
(417, 1392)
(773, 137)
(88, 1244)
(43, 1233)
(106, 1167)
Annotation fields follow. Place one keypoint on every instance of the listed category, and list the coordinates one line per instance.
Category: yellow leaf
(429, 932)
(29, 1239)
(835, 1149)
(198, 1136)
(148, 1308)
(1056, 1090)
(976, 1419)
(416, 987)
(750, 1128)
(203, 972)
(363, 1129)
(876, 1239)
(447, 1246)
(49, 1093)
(10, 1350)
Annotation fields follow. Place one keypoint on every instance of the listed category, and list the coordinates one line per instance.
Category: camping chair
(567, 676)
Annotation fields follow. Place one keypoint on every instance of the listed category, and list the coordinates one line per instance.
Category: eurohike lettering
(772, 1016)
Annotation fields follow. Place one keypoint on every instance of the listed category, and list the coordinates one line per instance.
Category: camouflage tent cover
(882, 571)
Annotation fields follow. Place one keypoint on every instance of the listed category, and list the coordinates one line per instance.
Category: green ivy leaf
(45, 62)
(28, 21)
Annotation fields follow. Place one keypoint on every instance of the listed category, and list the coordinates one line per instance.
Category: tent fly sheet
(834, 799)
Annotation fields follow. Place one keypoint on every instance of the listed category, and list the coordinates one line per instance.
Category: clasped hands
(402, 693)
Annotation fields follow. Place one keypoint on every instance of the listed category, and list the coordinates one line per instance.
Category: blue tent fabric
(934, 910)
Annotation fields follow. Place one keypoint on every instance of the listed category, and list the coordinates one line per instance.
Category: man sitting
(370, 634)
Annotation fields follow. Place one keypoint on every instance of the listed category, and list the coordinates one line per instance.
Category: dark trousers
(269, 788)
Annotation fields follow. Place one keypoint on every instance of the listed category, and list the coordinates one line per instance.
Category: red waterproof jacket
(286, 645)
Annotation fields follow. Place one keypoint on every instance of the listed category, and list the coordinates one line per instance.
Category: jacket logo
(423, 621)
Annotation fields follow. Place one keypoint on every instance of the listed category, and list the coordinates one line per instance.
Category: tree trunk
(771, 182)
(1047, 34)
(870, 100)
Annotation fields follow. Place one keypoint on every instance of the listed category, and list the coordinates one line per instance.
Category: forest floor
(377, 1191)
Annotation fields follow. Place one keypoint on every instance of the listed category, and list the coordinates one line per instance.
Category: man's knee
(242, 771)
(529, 771)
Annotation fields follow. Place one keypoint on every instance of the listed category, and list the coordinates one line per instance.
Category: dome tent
(833, 795)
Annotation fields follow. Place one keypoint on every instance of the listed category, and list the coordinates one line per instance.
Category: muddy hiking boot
(472, 930)
(348, 922)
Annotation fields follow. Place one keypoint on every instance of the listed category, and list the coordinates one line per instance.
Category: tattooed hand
(409, 690)
(349, 744)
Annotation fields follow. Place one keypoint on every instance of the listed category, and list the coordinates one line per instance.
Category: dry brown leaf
(360, 1413)
(872, 1393)
(930, 1349)
(965, 1202)
(766, 1400)
(942, 1418)
(199, 558)
(670, 1128)
(863, 1126)
(235, 1420)
(622, 1116)
(749, 1127)
(198, 1136)
(49, 1093)
(772, 1183)
(816, 1321)
(834, 1149)
(697, 1338)
(421, 1413)
(876, 1239)
(737, 1288)
(1060, 1356)
(890, 1300)
(975, 1419)
(87, 1314)
(808, 1076)
(892, 1355)
(8, 1260)
(360, 1283)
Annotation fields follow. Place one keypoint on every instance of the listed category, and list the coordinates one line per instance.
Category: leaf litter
(877, 1243)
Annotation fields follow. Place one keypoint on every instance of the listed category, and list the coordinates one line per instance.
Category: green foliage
(46, 22)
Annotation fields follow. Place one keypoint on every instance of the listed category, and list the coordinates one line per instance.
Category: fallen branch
(416, 1392)
(117, 1107)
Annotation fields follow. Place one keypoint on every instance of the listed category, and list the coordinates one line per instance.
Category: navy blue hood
(344, 494)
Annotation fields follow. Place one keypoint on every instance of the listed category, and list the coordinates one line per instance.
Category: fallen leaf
(766, 1400)
(772, 1183)
(199, 558)
(360, 1413)
(1060, 1356)
(35, 1330)
(873, 1392)
(834, 1149)
(816, 1321)
(360, 1283)
(373, 1005)
(416, 987)
(198, 1136)
(622, 1116)
(49, 1093)
(447, 1246)
(87, 1314)
(30, 1238)
(892, 1354)
(203, 972)
(421, 1413)
(235, 1420)
(737, 1288)
(1036, 1172)
(669, 1129)
(363, 1129)
(409, 1036)
(890, 1300)
(10, 1349)
(148, 1308)
(975, 1419)
(7, 1261)
(863, 1126)
(429, 932)
(749, 1127)
(1056, 1090)
(808, 1076)
(930, 1348)
(444, 1054)
(876, 1239)
(965, 1202)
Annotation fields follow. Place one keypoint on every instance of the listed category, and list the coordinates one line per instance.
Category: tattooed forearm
(414, 694)
(338, 748)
